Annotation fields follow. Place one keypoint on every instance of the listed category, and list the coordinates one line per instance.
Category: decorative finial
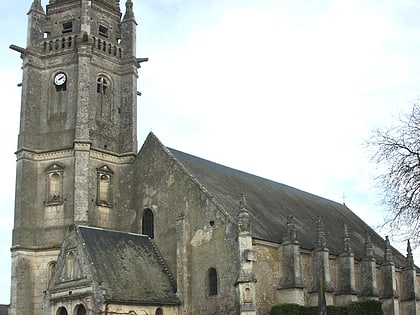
(368, 248)
(129, 14)
(242, 201)
(290, 235)
(36, 6)
(410, 259)
(244, 220)
(346, 240)
(388, 251)
(321, 242)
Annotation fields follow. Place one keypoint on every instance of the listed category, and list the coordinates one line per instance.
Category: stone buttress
(246, 277)
(291, 287)
(346, 282)
(388, 293)
(369, 288)
(321, 270)
(410, 299)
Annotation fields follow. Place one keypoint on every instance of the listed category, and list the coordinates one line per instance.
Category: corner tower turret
(77, 137)
(36, 23)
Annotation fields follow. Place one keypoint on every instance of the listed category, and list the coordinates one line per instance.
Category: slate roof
(269, 203)
(129, 267)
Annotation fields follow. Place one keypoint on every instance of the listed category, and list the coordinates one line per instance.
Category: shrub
(337, 310)
(285, 309)
(368, 307)
(308, 310)
(331, 310)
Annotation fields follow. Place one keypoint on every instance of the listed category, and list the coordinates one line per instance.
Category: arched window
(103, 90)
(159, 311)
(102, 85)
(212, 281)
(62, 311)
(80, 310)
(104, 186)
(54, 189)
(50, 270)
(147, 223)
(55, 184)
(247, 295)
(104, 183)
(70, 260)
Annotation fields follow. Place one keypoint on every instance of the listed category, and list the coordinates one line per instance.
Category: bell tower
(77, 138)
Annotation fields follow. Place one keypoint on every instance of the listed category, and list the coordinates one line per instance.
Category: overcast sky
(285, 89)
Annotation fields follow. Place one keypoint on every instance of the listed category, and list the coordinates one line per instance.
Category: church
(102, 227)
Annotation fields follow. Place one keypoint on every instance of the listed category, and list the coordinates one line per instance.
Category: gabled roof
(269, 203)
(129, 267)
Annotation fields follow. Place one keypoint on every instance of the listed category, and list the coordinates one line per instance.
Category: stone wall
(192, 232)
(269, 273)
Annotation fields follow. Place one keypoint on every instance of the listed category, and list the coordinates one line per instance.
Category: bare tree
(397, 151)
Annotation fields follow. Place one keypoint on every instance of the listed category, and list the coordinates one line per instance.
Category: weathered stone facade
(220, 241)
(77, 140)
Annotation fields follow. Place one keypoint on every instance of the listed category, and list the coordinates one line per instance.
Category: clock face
(60, 78)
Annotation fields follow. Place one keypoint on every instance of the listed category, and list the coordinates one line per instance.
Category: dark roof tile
(129, 267)
(269, 203)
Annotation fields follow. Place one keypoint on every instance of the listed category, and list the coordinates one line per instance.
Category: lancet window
(54, 183)
(104, 184)
(212, 281)
(147, 223)
(104, 95)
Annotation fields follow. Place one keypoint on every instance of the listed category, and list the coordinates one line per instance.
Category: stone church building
(104, 228)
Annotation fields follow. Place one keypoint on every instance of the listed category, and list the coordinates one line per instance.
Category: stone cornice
(34, 249)
(26, 154)
(39, 156)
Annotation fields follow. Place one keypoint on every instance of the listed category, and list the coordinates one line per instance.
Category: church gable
(98, 266)
(195, 234)
(73, 268)
(161, 161)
